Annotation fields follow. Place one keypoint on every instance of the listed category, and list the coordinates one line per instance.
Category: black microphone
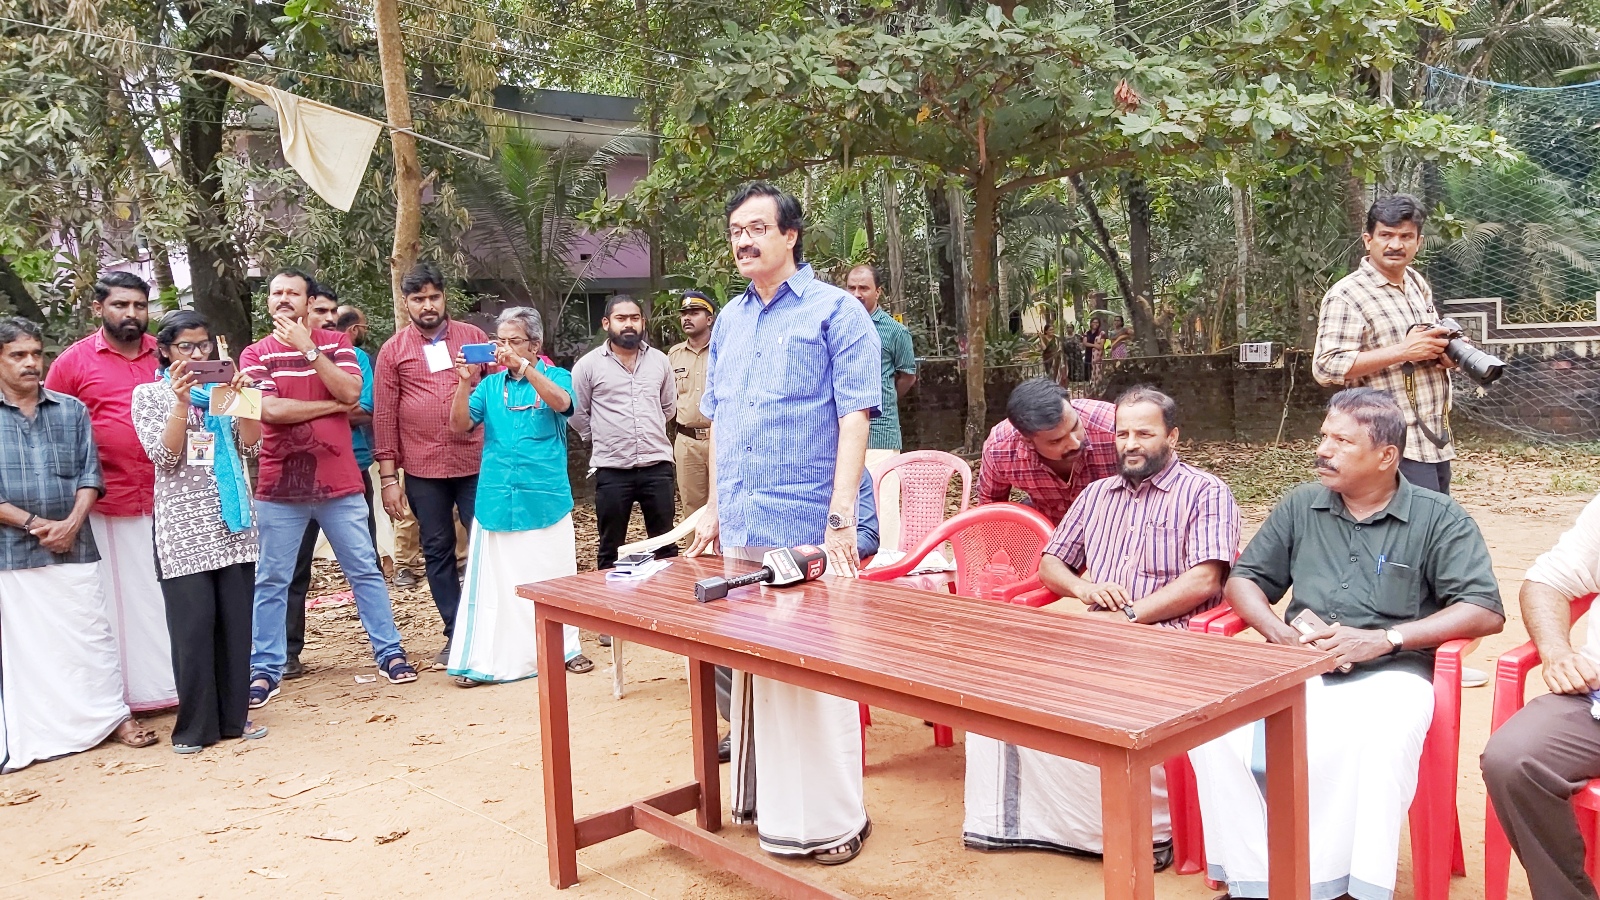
(780, 567)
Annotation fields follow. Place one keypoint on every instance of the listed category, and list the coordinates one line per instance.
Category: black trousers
(1531, 767)
(1433, 476)
(615, 492)
(301, 585)
(436, 502)
(208, 619)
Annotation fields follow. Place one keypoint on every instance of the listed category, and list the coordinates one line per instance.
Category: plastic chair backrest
(924, 490)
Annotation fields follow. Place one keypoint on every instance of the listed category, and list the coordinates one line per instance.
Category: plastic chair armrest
(1028, 592)
(1511, 682)
(1201, 622)
(1227, 625)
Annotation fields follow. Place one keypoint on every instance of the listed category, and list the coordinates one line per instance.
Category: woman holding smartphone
(206, 547)
(522, 530)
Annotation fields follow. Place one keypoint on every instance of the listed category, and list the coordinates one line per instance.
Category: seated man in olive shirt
(1393, 571)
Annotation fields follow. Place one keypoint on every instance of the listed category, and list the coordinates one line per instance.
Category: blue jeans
(281, 526)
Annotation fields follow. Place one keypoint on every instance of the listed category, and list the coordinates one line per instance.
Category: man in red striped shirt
(310, 381)
(1154, 544)
(1050, 447)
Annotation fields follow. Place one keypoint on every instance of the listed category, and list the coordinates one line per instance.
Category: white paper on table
(437, 356)
(933, 562)
(640, 572)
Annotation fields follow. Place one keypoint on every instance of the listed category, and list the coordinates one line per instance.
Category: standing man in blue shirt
(791, 387)
(865, 282)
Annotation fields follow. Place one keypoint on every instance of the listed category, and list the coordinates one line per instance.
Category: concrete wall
(1219, 399)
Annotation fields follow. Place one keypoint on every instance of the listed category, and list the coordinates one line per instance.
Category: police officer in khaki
(691, 447)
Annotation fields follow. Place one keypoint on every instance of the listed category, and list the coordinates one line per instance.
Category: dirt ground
(364, 789)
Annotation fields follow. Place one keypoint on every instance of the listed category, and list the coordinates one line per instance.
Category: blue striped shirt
(778, 380)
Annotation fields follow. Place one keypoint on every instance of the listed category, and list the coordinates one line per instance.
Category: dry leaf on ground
(297, 788)
(343, 837)
(392, 836)
(18, 797)
(62, 857)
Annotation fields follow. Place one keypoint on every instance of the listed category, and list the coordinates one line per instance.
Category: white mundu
(1364, 738)
(137, 609)
(496, 631)
(803, 772)
(60, 688)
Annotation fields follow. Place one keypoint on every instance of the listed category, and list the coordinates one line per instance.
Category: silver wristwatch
(312, 354)
(836, 521)
(1396, 640)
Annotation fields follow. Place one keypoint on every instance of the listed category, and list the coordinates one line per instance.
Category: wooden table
(1119, 697)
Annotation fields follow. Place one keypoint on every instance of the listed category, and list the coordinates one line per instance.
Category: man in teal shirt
(899, 374)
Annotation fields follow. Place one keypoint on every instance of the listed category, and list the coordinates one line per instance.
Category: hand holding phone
(211, 371)
(1308, 623)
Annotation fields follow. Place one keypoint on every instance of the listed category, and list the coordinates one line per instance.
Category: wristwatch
(312, 354)
(1396, 639)
(1132, 616)
(836, 521)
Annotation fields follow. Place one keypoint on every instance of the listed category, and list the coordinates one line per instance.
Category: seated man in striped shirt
(1149, 546)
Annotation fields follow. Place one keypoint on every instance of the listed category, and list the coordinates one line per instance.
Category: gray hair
(1144, 393)
(525, 316)
(15, 328)
(1377, 412)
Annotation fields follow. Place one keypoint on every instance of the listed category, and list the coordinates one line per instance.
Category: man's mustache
(750, 252)
(1326, 466)
(27, 372)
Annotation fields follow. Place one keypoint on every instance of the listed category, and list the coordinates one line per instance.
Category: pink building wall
(632, 259)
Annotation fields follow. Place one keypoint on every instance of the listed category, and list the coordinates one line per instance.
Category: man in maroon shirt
(101, 371)
(310, 380)
(1050, 447)
(416, 382)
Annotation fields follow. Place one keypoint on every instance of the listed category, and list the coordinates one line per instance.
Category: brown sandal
(838, 856)
(138, 736)
(580, 664)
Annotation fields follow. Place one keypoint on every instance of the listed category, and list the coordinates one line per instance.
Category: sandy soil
(364, 789)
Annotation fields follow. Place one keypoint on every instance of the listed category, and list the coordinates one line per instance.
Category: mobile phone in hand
(1309, 622)
(212, 371)
(477, 353)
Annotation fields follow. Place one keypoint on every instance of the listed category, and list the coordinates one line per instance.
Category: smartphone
(1309, 622)
(477, 353)
(212, 371)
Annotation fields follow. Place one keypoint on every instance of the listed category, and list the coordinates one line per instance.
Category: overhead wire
(547, 37)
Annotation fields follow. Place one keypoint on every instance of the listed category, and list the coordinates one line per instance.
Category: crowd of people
(188, 586)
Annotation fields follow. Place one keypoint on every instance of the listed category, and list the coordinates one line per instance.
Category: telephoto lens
(1479, 365)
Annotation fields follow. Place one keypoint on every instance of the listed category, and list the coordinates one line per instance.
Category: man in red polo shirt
(416, 382)
(1050, 447)
(101, 371)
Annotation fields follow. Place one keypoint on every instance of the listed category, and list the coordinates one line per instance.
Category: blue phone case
(477, 353)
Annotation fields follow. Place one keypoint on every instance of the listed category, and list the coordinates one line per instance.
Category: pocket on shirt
(805, 363)
(1159, 554)
(63, 463)
(1399, 593)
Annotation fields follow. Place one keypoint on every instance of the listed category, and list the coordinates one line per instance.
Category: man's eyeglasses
(513, 342)
(188, 347)
(505, 395)
(754, 229)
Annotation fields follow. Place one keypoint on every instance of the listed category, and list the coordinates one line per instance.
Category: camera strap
(1440, 439)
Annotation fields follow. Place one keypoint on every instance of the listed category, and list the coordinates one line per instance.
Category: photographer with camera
(1379, 329)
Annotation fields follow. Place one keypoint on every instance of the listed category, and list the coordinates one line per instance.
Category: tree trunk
(653, 224)
(1355, 212)
(956, 198)
(407, 171)
(866, 222)
(1241, 239)
(14, 289)
(939, 208)
(1147, 339)
(985, 224)
(216, 271)
(891, 236)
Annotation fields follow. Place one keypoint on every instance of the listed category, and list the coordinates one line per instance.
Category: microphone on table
(788, 565)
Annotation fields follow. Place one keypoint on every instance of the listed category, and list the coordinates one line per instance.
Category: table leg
(1288, 803)
(561, 837)
(703, 721)
(1129, 868)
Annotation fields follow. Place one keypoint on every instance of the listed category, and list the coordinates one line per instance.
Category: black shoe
(293, 669)
(725, 748)
(605, 640)
(443, 658)
(1163, 853)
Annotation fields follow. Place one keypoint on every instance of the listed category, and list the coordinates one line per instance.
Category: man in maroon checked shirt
(1050, 447)
(416, 381)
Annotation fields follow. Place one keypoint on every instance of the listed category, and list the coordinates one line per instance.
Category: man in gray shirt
(624, 397)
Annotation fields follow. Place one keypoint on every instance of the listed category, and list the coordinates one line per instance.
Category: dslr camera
(1480, 366)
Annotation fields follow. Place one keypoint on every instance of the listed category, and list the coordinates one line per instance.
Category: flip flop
(851, 849)
(253, 732)
(141, 737)
(187, 749)
(580, 664)
(463, 681)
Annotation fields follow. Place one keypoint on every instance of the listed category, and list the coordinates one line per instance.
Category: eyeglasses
(754, 229)
(187, 347)
(513, 342)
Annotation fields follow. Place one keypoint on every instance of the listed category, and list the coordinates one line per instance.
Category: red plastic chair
(1436, 852)
(1510, 686)
(924, 490)
(997, 548)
